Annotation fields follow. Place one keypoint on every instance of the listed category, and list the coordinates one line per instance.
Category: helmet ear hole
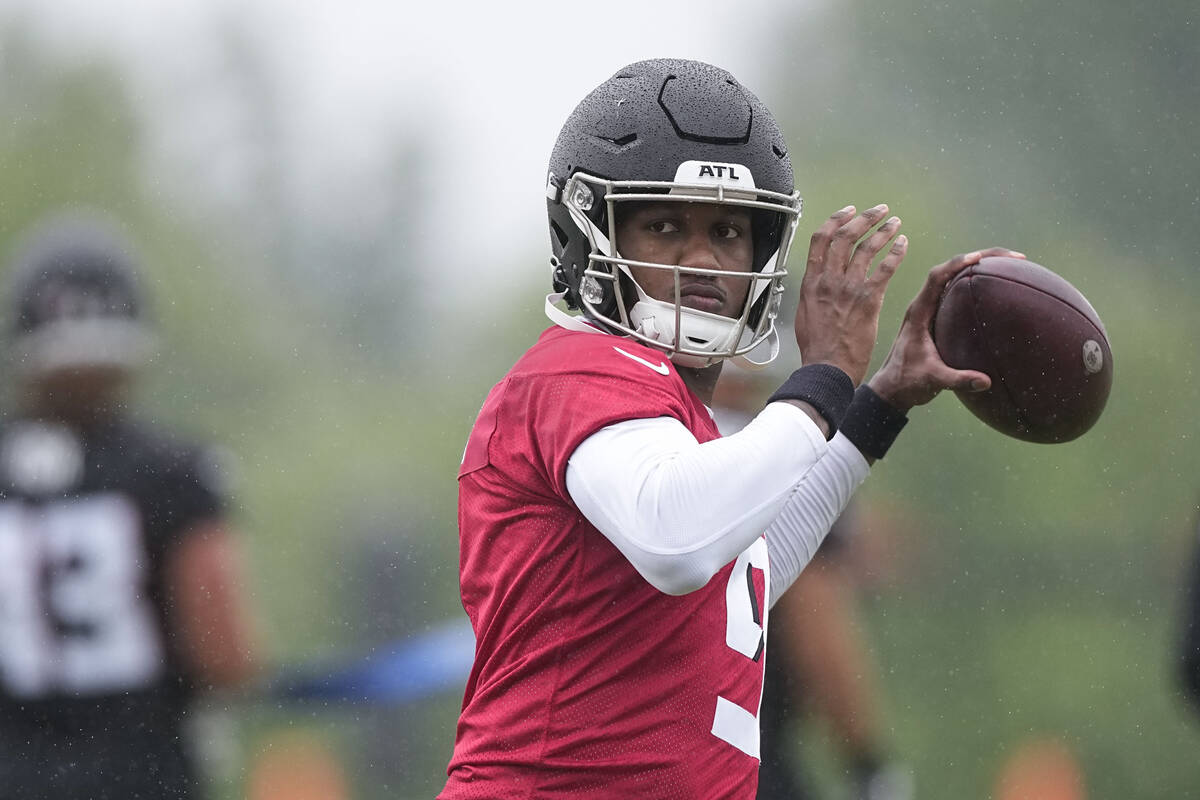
(560, 235)
(767, 227)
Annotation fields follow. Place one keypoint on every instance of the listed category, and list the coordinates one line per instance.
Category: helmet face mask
(690, 336)
(741, 163)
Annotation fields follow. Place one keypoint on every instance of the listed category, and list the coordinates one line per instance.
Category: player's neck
(94, 413)
(701, 380)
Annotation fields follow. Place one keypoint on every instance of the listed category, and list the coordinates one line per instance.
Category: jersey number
(745, 632)
(73, 612)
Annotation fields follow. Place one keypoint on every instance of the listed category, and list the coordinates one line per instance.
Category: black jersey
(92, 690)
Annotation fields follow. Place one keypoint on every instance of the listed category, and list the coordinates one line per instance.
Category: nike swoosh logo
(661, 367)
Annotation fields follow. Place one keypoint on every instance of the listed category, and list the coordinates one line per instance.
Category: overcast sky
(492, 81)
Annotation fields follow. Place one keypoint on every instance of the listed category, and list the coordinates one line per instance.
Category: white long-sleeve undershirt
(680, 510)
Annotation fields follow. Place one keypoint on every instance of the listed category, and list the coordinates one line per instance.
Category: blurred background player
(120, 593)
(817, 661)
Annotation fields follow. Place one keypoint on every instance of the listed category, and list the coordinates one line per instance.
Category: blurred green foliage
(1038, 585)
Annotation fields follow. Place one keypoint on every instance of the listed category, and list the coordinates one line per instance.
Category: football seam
(1039, 290)
(987, 343)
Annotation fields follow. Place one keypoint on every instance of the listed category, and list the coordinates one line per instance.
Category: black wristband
(871, 423)
(824, 387)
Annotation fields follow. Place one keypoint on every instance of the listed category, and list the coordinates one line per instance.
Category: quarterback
(618, 557)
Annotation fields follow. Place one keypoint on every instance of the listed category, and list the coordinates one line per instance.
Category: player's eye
(726, 230)
(663, 226)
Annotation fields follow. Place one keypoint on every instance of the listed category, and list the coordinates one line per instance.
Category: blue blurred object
(416, 667)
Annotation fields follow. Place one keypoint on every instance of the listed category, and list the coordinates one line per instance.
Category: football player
(119, 592)
(617, 557)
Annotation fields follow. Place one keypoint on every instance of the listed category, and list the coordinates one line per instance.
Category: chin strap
(575, 323)
(564, 320)
(772, 343)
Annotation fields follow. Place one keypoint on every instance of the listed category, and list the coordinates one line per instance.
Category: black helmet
(74, 299)
(669, 129)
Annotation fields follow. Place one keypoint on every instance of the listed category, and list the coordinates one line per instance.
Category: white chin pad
(698, 330)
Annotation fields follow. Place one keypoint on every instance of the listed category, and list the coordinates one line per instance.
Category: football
(1039, 340)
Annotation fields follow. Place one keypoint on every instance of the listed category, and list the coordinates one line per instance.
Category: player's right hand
(913, 372)
(837, 320)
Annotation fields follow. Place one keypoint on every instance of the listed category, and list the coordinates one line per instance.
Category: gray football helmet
(670, 130)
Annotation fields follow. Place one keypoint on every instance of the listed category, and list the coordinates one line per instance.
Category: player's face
(79, 394)
(697, 235)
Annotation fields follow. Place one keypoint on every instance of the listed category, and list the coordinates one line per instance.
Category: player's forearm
(821, 423)
(680, 510)
(206, 586)
(811, 509)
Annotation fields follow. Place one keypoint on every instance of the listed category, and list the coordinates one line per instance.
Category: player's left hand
(913, 372)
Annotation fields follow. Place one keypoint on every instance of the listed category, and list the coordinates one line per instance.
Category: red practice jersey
(588, 682)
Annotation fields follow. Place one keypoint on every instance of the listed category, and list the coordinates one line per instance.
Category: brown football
(1038, 339)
